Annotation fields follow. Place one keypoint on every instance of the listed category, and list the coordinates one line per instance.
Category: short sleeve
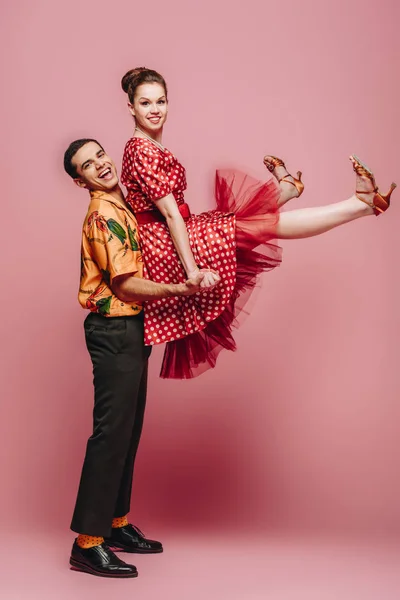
(114, 244)
(146, 166)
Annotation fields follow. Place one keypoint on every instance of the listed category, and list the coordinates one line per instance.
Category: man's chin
(107, 186)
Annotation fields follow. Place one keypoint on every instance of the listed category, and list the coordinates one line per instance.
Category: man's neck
(115, 193)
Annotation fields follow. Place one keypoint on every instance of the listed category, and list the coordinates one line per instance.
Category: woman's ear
(131, 109)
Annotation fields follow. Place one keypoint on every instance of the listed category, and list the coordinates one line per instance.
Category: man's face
(95, 169)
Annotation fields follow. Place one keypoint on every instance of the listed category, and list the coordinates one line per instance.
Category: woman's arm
(177, 228)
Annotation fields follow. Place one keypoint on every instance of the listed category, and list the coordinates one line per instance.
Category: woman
(175, 244)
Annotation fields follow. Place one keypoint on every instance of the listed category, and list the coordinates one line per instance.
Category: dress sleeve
(114, 244)
(146, 166)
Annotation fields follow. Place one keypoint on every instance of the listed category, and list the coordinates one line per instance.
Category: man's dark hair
(70, 153)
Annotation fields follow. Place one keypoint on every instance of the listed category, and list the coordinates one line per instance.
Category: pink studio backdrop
(300, 427)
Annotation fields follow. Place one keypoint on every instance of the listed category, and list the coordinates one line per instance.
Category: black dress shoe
(101, 561)
(131, 539)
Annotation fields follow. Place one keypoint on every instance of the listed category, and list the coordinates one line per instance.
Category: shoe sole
(77, 566)
(130, 551)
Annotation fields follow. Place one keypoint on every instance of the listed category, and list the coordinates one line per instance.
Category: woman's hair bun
(136, 77)
(130, 76)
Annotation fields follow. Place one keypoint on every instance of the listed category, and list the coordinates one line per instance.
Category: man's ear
(131, 109)
(80, 183)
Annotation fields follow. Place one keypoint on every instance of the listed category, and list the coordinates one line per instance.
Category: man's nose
(99, 163)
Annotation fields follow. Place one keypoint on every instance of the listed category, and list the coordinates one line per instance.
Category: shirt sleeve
(146, 166)
(114, 244)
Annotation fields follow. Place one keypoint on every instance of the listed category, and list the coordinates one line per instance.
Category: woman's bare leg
(307, 222)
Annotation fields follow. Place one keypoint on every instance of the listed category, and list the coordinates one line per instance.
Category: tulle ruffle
(254, 204)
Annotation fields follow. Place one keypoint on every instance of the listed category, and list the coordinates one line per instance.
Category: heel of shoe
(393, 186)
(382, 201)
(299, 185)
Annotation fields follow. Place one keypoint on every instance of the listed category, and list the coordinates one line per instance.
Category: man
(113, 290)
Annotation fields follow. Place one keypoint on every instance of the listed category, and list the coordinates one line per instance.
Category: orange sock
(88, 541)
(120, 522)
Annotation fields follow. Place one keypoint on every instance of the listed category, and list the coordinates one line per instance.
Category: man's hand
(192, 285)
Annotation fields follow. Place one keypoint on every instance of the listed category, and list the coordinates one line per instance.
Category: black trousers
(119, 359)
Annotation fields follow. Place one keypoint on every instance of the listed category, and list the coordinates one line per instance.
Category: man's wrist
(176, 289)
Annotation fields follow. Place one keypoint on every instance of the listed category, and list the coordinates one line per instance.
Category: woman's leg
(307, 222)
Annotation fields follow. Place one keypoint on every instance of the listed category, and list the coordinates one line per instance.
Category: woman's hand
(210, 278)
(192, 285)
(179, 235)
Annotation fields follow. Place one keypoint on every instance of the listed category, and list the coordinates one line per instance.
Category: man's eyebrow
(86, 162)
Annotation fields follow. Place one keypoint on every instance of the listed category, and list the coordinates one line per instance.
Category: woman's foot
(366, 189)
(290, 187)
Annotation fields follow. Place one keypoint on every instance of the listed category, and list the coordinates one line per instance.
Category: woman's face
(150, 107)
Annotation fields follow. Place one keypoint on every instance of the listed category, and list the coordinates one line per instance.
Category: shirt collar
(99, 194)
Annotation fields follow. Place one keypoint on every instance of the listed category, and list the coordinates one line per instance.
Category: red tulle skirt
(254, 206)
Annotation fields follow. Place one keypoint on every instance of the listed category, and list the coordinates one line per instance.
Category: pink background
(299, 430)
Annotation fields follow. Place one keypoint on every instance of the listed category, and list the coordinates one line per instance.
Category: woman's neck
(155, 136)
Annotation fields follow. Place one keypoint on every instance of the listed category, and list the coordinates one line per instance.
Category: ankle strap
(368, 192)
(287, 180)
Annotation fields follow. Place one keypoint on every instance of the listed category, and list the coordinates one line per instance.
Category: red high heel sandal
(380, 202)
(271, 162)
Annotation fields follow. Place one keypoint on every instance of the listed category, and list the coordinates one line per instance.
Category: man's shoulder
(101, 210)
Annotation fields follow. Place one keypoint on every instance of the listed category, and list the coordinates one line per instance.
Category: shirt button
(122, 304)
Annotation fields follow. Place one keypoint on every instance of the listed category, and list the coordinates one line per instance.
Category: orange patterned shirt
(110, 247)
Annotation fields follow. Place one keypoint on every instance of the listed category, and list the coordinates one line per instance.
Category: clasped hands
(204, 278)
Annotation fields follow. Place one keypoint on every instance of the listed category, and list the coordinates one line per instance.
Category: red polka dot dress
(195, 328)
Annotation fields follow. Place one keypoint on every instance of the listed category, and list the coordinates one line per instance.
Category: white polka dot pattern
(212, 240)
(150, 174)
